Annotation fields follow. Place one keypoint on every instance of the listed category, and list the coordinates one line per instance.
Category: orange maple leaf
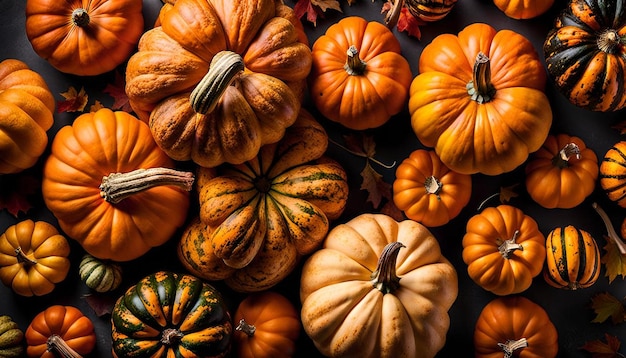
(314, 9)
(118, 92)
(75, 101)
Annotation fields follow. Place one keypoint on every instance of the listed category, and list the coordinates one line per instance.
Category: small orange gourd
(523, 9)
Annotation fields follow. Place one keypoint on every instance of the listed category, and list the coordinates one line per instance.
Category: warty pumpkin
(573, 258)
(378, 288)
(84, 37)
(503, 249)
(26, 109)
(34, 257)
(429, 10)
(268, 326)
(479, 100)
(167, 314)
(60, 331)
(523, 9)
(359, 77)
(219, 79)
(562, 173)
(270, 211)
(613, 173)
(99, 275)
(514, 326)
(429, 192)
(111, 188)
(11, 338)
(584, 53)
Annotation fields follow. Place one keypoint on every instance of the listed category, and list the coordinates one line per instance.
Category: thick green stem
(118, 186)
(224, 68)
(385, 278)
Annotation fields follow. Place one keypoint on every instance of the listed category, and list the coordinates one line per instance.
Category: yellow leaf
(606, 306)
(614, 261)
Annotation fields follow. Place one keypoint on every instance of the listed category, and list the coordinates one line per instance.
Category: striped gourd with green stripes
(613, 173)
(429, 10)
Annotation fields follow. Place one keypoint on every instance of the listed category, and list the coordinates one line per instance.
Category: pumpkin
(60, 331)
(26, 109)
(584, 53)
(34, 257)
(516, 327)
(562, 173)
(378, 288)
(503, 250)
(167, 314)
(429, 192)
(270, 211)
(611, 233)
(429, 10)
(523, 9)
(613, 173)
(572, 260)
(84, 37)
(359, 77)
(11, 338)
(99, 275)
(99, 182)
(268, 325)
(479, 100)
(219, 96)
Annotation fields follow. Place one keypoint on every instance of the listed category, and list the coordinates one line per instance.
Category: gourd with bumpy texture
(99, 275)
(11, 338)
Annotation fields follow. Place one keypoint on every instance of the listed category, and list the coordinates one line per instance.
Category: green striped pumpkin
(613, 173)
(429, 10)
(167, 314)
(11, 338)
(99, 275)
(573, 258)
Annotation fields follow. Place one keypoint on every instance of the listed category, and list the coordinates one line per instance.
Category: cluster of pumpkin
(220, 84)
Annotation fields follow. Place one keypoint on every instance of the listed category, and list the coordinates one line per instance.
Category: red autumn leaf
(16, 191)
(409, 24)
(75, 101)
(117, 91)
(314, 8)
(101, 303)
(600, 349)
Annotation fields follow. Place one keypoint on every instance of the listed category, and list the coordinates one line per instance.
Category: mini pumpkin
(34, 257)
(11, 338)
(523, 9)
(429, 192)
(429, 10)
(613, 173)
(99, 275)
(359, 77)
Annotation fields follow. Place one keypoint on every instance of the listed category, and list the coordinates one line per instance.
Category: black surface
(569, 310)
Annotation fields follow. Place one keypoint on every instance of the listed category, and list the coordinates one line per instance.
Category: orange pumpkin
(523, 9)
(84, 37)
(359, 78)
(428, 191)
(562, 173)
(111, 188)
(479, 100)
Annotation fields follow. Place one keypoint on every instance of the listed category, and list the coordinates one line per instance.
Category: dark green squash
(11, 338)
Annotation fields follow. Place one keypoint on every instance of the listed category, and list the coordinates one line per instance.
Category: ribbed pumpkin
(585, 54)
(111, 188)
(613, 173)
(479, 100)
(167, 314)
(270, 211)
(99, 275)
(26, 108)
(573, 258)
(562, 173)
(11, 338)
(222, 109)
(429, 10)
(523, 9)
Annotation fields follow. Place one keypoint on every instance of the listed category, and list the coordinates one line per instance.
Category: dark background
(569, 310)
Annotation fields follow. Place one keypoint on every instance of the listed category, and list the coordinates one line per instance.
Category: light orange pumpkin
(523, 9)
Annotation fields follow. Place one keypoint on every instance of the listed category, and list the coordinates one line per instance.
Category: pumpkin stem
(363, 155)
(171, 336)
(480, 88)
(118, 186)
(246, 328)
(433, 186)
(354, 65)
(384, 278)
(609, 41)
(393, 14)
(223, 69)
(56, 344)
(80, 17)
(511, 345)
(621, 246)
(508, 246)
(561, 160)
(22, 258)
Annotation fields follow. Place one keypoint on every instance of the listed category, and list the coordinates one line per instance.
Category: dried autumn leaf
(606, 306)
(376, 187)
(96, 106)
(613, 260)
(314, 8)
(505, 195)
(16, 191)
(600, 349)
(406, 21)
(75, 101)
(117, 91)
(101, 303)
(390, 209)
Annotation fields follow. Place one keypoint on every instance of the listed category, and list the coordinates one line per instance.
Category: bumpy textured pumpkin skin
(493, 264)
(98, 46)
(372, 88)
(99, 275)
(613, 173)
(276, 326)
(26, 109)
(554, 182)
(168, 314)
(67, 322)
(572, 260)
(513, 318)
(11, 338)
(346, 315)
(492, 137)
(96, 145)
(46, 254)
(523, 9)
(428, 191)
(264, 99)
(585, 54)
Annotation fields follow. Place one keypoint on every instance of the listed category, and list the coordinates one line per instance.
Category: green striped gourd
(613, 173)
(100, 275)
